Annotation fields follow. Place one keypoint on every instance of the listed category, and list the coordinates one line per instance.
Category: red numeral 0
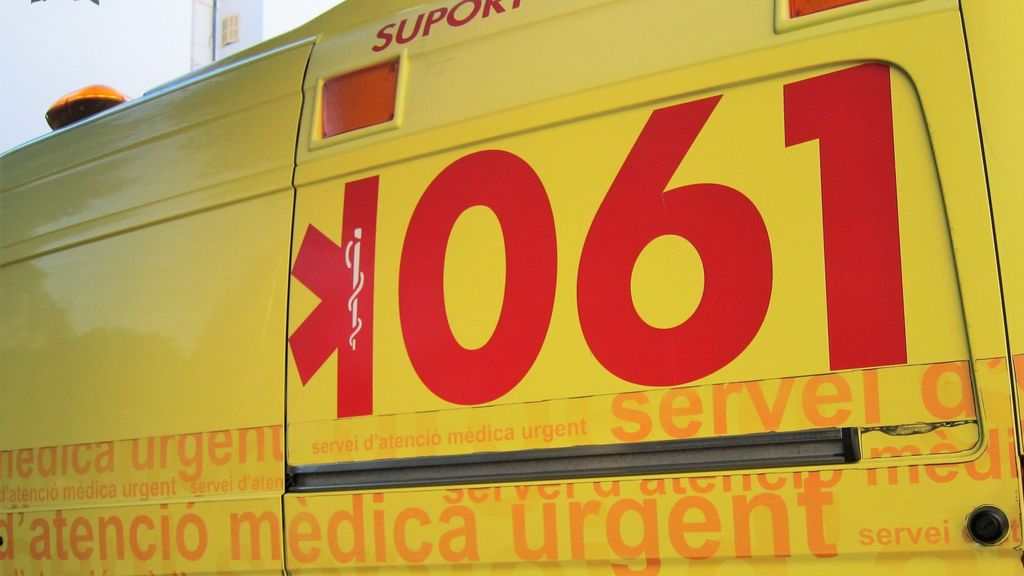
(507, 185)
(721, 223)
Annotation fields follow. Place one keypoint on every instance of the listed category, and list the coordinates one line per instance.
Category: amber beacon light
(81, 104)
(805, 7)
(359, 99)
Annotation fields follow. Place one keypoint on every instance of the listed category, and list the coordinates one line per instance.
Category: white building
(53, 47)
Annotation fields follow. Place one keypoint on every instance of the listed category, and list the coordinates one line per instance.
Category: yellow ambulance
(552, 287)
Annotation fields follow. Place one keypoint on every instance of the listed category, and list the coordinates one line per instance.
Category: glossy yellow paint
(900, 520)
(143, 264)
(574, 122)
(152, 401)
(782, 182)
(998, 81)
(131, 283)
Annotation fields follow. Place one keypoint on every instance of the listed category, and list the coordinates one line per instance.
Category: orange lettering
(261, 443)
(647, 546)
(682, 528)
(379, 545)
(743, 509)
(7, 536)
(548, 548)
(625, 414)
(39, 547)
(813, 499)
(719, 400)
(814, 399)
(652, 487)
(44, 468)
(894, 452)
(81, 534)
(409, 554)
(466, 533)
(133, 538)
(249, 519)
(578, 512)
(612, 490)
(59, 523)
(25, 460)
(138, 462)
(670, 412)
(354, 519)
(220, 447)
(955, 387)
(202, 537)
(771, 418)
(297, 537)
(191, 457)
(104, 526)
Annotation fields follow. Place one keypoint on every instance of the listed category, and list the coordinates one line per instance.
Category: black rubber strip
(827, 446)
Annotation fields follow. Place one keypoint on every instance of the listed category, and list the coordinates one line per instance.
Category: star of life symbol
(341, 275)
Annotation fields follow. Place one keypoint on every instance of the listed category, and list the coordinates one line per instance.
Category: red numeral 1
(849, 112)
(508, 186)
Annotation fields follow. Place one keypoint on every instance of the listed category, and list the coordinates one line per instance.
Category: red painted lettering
(721, 223)
(511, 189)
(849, 113)
(386, 38)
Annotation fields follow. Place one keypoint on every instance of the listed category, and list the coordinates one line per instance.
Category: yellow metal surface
(577, 161)
(154, 392)
(905, 520)
(934, 400)
(943, 418)
(144, 296)
(143, 265)
(998, 74)
(782, 182)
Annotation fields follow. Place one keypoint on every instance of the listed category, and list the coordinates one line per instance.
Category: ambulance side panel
(995, 42)
(144, 257)
(602, 228)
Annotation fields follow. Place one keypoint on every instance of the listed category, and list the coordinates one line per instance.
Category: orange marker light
(81, 104)
(804, 7)
(359, 99)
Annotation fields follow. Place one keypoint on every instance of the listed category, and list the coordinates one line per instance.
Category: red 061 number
(849, 113)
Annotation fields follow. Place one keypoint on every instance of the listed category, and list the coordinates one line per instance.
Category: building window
(229, 30)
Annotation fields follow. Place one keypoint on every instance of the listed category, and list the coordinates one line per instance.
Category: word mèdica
(458, 15)
(640, 522)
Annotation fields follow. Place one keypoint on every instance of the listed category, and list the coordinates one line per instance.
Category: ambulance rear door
(615, 286)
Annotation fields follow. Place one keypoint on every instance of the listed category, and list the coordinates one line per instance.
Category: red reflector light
(805, 7)
(359, 99)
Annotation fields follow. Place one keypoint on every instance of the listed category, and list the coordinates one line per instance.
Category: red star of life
(341, 276)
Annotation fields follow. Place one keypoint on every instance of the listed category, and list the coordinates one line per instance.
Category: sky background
(50, 48)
